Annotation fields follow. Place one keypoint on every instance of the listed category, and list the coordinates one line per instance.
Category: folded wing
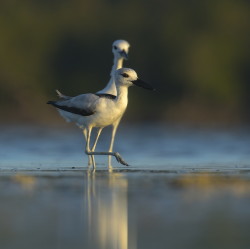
(84, 104)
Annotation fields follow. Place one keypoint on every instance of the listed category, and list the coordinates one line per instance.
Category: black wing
(105, 95)
(71, 109)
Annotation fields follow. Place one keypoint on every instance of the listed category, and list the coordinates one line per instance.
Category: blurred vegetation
(195, 52)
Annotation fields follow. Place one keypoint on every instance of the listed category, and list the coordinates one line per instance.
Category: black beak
(124, 54)
(143, 84)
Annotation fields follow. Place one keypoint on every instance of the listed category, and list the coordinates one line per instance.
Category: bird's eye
(115, 47)
(125, 75)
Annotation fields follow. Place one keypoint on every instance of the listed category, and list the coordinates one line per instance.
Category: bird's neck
(122, 94)
(118, 61)
(111, 87)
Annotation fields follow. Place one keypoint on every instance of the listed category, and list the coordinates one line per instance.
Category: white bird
(101, 110)
(120, 50)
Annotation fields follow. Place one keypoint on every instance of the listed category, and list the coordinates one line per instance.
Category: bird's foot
(120, 159)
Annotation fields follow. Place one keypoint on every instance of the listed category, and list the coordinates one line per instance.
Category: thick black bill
(124, 54)
(143, 84)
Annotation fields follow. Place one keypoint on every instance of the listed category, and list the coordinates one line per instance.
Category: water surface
(143, 147)
(184, 189)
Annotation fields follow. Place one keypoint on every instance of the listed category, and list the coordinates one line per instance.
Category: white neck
(118, 61)
(111, 88)
(122, 96)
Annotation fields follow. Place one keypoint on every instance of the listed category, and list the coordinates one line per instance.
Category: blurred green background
(196, 53)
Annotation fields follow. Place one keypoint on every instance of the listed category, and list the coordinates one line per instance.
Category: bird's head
(120, 49)
(128, 77)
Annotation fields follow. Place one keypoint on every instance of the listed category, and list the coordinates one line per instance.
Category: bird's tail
(62, 96)
(51, 102)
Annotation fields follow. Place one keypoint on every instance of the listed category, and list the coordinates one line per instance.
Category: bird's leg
(87, 150)
(114, 129)
(91, 158)
(96, 139)
(115, 154)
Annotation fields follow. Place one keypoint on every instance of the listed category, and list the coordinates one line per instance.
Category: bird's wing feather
(84, 104)
(106, 95)
(62, 96)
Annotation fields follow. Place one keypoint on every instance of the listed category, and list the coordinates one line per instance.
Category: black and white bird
(100, 110)
(120, 49)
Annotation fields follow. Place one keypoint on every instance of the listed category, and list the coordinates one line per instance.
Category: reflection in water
(100, 210)
(25, 181)
(107, 210)
(207, 185)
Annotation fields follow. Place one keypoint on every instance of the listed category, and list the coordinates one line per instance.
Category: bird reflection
(107, 209)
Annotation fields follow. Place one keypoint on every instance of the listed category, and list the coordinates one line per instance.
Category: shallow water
(184, 189)
(110, 210)
(147, 147)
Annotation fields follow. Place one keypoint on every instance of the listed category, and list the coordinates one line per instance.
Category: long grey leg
(88, 134)
(115, 154)
(114, 129)
(91, 158)
(96, 139)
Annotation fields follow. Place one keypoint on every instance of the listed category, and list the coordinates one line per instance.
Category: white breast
(107, 112)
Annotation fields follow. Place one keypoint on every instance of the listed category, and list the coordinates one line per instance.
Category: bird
(101, 110)
(120, 49)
